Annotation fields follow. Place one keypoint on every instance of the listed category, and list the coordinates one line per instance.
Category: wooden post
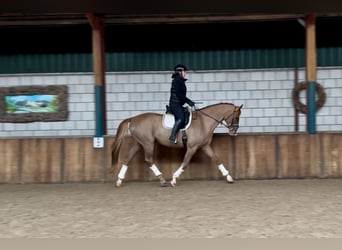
(296, 111)
(311, 62)
(99, 72)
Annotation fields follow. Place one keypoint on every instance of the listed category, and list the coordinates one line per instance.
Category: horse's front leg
(209, 152)
(176, 174)
(187, 157)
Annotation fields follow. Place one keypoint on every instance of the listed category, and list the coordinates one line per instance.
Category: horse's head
(233, 120)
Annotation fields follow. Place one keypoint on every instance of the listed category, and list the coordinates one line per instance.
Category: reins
(219, 122)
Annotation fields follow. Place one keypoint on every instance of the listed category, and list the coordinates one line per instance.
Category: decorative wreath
(296, 99)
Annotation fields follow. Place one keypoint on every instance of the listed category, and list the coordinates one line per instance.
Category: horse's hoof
(163, 184)
(230, 179)
(118, 183)
(173, 183)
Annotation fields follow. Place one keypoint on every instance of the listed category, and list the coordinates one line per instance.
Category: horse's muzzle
(233, 130)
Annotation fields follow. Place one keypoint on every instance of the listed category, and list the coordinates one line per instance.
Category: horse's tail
(120, 134)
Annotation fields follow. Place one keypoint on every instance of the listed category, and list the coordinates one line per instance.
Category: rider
(177, 99)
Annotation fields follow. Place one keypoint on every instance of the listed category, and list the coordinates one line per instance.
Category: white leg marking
(223, 170)
(230, 179)
(176, 174)
(122, 172)
(118, 182)
(225, 173)
(155, 170)
(173, 182)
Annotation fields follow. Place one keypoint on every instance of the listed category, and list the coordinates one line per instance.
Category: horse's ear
(241, 106)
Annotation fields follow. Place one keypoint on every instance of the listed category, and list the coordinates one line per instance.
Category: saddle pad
(168, 120)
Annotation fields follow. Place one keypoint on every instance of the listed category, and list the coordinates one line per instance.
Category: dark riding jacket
(178, 98)
(178, 91)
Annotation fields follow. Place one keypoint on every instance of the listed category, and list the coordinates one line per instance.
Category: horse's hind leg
(209, 152)
(158, 174)
(131, 153)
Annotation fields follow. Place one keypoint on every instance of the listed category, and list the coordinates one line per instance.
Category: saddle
(168, 119)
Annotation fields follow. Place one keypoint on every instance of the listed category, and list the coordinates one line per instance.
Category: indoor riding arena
(69, 79)
(285, 186)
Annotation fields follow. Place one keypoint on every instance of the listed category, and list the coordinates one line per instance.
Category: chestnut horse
(147, 128)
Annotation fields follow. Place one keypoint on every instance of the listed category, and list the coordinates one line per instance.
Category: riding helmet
(180, 67)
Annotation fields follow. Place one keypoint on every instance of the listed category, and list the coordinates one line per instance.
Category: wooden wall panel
(168, 160)
(51, 160)
(9, 161)
(299, 156)
(223, 146)
(332, 155)
(107, 168)
(41, 160)
(255, 157)
(137, 167)
(82, 162)
(200, 167)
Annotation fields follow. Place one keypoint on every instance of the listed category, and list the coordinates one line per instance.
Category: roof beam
(55, 19)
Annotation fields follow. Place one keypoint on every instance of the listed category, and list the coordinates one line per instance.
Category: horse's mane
(216, 104)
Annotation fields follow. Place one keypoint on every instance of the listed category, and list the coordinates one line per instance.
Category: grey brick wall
(266, 95)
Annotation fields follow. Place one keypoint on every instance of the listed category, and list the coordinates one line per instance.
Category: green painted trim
(165, 60)
(311, 107)
(98, 111)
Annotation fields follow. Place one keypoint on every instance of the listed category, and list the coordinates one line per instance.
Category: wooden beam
(94, 21)
(98, 48)
(99, 72)
(311, 60)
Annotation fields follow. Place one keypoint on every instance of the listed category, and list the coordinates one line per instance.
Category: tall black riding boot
(175, 129)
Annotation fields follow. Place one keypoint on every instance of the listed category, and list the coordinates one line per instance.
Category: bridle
(235, 120)
(233, 125)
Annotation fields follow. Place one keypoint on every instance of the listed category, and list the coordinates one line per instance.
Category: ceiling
(16, 16)
(148, 7)
(63, 12)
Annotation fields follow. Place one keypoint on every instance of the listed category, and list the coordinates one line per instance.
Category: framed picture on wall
(33, 103)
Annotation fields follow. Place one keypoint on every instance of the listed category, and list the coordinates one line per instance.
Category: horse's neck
(212, 116)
